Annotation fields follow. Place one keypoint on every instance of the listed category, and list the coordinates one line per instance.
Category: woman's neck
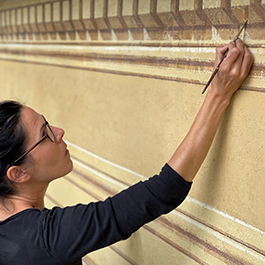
(23, 200)
(11, 206)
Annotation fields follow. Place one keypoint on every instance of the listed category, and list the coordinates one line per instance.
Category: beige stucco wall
(124, 79)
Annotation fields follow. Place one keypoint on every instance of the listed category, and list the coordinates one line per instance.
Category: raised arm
(191, 153)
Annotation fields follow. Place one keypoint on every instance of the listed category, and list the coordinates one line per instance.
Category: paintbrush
(217, 68)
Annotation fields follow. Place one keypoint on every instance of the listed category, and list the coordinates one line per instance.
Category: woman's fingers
(220, 52)
(247, 62)
(235, 54)
(234, 68)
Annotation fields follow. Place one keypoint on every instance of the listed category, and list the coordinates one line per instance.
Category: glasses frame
(46, 135)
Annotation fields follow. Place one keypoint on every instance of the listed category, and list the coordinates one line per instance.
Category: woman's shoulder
(6, 217)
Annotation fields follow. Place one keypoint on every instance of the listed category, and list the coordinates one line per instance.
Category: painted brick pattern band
(182, 19)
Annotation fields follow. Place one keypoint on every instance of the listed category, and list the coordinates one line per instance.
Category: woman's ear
(16, 174)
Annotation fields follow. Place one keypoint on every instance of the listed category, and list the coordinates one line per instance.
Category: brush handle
(214, 72)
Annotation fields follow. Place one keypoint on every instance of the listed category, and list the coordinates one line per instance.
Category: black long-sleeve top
(62, 236)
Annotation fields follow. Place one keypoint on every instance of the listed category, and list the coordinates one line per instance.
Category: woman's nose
(58, 133)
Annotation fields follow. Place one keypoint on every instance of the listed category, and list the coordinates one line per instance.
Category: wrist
(218, 98)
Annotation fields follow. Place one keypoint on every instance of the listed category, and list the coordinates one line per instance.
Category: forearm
(192, 151)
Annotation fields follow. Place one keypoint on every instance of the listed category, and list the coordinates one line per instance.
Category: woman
(33, 153)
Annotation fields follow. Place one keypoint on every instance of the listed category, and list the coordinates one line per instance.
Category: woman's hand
(233, 70)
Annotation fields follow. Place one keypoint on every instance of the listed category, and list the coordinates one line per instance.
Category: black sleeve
(72, 232)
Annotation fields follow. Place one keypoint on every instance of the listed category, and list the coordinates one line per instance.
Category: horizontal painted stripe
(226, 215)
(98, 174)
(221, 237)
(164, 63)
(99, 43)
(134, 48)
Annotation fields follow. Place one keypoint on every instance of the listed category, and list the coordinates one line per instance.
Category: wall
(124, 79)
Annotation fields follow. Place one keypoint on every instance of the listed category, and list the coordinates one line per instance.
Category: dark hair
(12, 142)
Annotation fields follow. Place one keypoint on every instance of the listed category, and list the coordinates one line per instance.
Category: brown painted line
(53, 200)
(88, 178)
(100, 171)
(241, 242)
(218, 253)
(90, 56)
(175, 245)
(144, 227)
(121, 254)
(91, 180)
(89, 261)
(150, 60)
(89, 192)
(107, 71)
(253, 89)
(109, 43)
(135, 43)
(224, 256)
(123, 73)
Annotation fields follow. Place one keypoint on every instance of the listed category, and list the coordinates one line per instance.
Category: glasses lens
(50, 133)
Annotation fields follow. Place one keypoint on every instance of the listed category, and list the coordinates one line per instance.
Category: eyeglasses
(47, 133)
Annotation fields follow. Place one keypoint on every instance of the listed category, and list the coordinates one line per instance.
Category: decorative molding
(179, 19)
(173, 62)
(139, 37)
